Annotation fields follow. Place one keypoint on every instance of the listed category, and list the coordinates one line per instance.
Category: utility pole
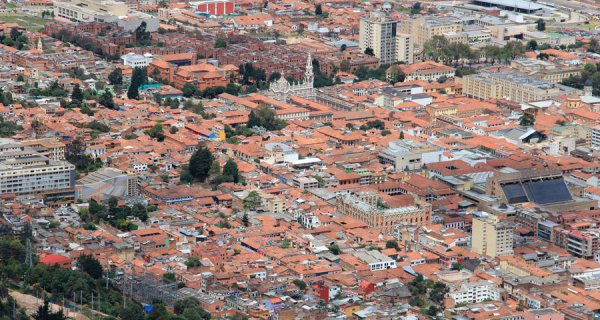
(106, 272)
(29, 255)
(92, 311)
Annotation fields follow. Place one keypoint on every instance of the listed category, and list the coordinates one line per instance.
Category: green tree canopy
(200, 163)
(116, 77)
(90, 265)
(231, 170)
(252, 201)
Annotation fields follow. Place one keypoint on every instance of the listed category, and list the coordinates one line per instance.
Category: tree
(90, 265)
(106, 100)
(8, 128)
(132, 312)
(416, 8)
(527, 120)
(138, 78)
(300, 284)
(200, 163)
(419, 285)
(392, 244)
(432, 311)
(540, 25)
(594, 46)
(369, 52)
(77, 93)
(44, 313)
(189, 90)
(543, 56)
(318, 9)
(457, 266)
(116, 77)
(215, 168)
(186, 303)
(75, 153)
(334, 248)
(220, 43)
(343, 47)
(532, 45)
(245, 220)
(252, 200)
(193, 262)
(142, 36)
(233, 89)
(169, 277)
(416, 302)
(274, 76)
(156, 132)
(231, 170)
(438, 293)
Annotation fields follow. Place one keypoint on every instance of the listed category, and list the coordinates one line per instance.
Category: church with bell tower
(282, 89)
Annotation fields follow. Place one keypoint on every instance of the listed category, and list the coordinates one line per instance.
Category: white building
(475, 292)
(104, 11)
(136, 60)
(375, 259)
(25, 171)
(305, 182)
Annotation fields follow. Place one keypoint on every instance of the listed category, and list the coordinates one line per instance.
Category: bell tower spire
(309, 76)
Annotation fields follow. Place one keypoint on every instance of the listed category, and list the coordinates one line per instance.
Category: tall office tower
(381, 35)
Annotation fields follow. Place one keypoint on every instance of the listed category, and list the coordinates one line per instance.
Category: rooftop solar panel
(548, 191)
(514, 193)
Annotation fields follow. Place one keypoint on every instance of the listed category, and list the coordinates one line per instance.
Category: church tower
(309, 77)
(40, 45)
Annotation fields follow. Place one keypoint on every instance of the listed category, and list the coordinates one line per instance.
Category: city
(293, 159)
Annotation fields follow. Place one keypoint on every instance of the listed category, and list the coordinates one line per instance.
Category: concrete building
(543, 314)
(475, 292)
(545, 70)
(136, 60)
(423, 29)
(104, 11)
(50, 147)
(491, 237)
(375, 259)
(89, 11)
(513, 86)
(381, 35)
(409, 154)
(364, 207)
(106, 183)
(24, 171)
(305, 182)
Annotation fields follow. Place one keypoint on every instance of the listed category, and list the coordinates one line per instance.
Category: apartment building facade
(513, 86)
(491, 237)
(381, 35)
(24, 171)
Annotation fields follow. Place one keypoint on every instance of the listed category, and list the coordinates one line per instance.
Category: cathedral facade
(282, 89)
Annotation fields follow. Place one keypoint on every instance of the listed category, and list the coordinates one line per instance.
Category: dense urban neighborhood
(294, 159)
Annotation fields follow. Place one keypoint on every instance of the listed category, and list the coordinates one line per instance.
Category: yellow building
(364, 207)
(511, 85)
(491, 237)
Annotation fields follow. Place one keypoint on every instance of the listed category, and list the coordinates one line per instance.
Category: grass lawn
(29, 22)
